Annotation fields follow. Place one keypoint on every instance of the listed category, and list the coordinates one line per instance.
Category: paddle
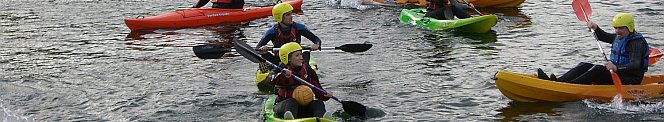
(478, 12)
(352, 108)
(216, 51)
(583, 11)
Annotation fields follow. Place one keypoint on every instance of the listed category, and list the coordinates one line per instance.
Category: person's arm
(304, 31)
(316, 82)
(201, 3)
(604, 36)
(636, 50)
(267, 37)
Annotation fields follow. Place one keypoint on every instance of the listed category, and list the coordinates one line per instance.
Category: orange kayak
(495, 3)
(203, 16)
(528, 88)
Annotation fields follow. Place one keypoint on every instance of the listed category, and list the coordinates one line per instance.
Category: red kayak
(203, 16)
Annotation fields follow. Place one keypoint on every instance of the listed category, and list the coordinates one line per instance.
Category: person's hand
(591, 25)
(329, 94)
(263, 49)
(471, 6)
(611, 66)
(287, 73)
(315, 47)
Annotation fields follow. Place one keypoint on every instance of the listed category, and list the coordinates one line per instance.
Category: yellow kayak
(528, 88)
(495, 3)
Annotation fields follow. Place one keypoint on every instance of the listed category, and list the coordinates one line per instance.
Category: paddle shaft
(594, 35)
(478, 12)
(616, 79)
(301, 80)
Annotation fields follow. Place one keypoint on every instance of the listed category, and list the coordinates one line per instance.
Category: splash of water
(7, 115)
(632, 107)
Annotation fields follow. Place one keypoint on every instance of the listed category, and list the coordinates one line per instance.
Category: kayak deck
(479, 24)
(268, 111)
(529, 88)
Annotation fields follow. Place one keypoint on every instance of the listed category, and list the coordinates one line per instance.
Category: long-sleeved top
(633, 71)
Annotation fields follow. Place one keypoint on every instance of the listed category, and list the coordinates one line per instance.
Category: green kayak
(271, 117)
(479, 24)
(263, 76)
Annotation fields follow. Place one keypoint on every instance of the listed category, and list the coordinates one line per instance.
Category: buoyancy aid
(619, 54)
(436, 4)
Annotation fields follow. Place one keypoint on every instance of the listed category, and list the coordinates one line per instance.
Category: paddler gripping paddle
(350, 107)
(583, 11)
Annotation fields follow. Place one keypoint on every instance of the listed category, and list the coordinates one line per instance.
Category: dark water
(75, 60)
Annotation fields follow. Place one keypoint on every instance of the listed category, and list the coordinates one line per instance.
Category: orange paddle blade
(616, 81)
(582, 9)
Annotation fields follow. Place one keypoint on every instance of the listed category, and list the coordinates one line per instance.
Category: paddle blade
(355, 47)
(616, 81)
(210, 51)
(582, 10)
(354, 108)
(245, 50)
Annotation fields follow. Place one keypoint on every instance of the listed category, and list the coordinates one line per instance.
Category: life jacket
(619, 54)
(222, 1)
(286, 90)
(282, 38)
(436, 4)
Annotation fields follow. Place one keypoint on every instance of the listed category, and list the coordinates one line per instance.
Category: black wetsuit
(631, 73)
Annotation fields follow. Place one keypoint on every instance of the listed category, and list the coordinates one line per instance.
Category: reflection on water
(509, 18)
(516, 110)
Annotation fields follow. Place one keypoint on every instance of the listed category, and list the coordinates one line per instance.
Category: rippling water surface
(75, 60)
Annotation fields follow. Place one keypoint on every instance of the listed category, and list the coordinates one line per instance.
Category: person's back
(225, 4)
(447, 9)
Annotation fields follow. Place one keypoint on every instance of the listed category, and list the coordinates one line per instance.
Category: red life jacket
(222, 1)
(283, 39)
(436, 4)
(286, 90)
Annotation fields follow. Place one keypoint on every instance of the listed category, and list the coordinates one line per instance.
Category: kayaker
(225, 4)
(447, 9)
(291, 56)
(286, 30)
(629, 56)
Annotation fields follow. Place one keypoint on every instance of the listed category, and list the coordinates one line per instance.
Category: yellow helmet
(279, 10)
(286, 49)
(624, 19)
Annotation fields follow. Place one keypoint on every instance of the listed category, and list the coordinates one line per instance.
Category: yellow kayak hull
(528, 88)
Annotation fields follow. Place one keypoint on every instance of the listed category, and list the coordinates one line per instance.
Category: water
(76, 61)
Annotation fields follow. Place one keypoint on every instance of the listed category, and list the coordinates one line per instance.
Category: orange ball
(303, 95)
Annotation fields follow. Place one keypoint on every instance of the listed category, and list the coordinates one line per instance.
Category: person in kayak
(290, 55)
(225, 4)
(447, 9)
(629, 56)
(286, 30)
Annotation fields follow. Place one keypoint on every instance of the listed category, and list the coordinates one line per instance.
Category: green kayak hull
(479, 24)
(268, 111)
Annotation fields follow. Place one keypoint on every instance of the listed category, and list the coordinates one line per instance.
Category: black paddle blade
(354, 108)
(210, 51)
(246, 51)
(355, 47)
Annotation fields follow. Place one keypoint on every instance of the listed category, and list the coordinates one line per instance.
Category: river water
(75, 60)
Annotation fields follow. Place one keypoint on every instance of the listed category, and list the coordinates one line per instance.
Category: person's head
(303, 95)
(291, 54)
(623, 24)
(282, 13)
